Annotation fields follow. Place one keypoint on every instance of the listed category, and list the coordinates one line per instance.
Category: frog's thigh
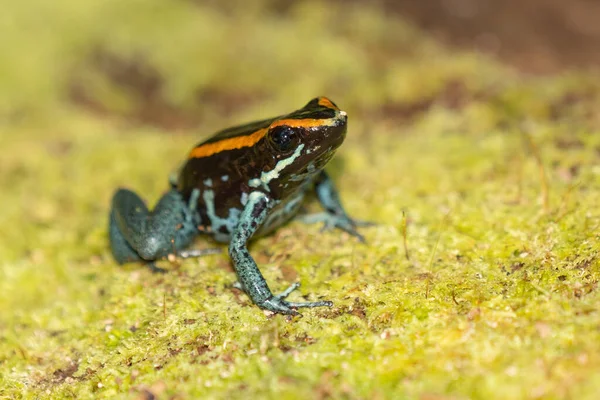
(151, 235)
(121, 250)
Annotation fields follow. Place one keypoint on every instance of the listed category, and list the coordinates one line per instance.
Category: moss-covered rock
(479, 281)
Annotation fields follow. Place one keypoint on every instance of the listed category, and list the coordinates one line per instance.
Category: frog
(240, 184)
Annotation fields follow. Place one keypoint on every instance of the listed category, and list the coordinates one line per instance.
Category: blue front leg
(250, 278)
(335, 215)
(137, 234)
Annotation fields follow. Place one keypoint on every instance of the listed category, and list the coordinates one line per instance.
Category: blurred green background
(474, 143)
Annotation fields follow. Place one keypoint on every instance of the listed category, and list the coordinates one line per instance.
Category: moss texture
(479, 281)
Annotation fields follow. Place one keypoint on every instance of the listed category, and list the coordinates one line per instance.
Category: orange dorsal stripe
(303, 123)
(208, 149)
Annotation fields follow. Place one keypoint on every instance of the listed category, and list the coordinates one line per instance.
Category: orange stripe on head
(233, 143)
(303, 123)
(325, 102)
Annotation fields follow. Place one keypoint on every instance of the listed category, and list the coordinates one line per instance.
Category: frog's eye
(283, 138)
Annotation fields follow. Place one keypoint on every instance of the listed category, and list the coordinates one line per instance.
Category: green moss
(496, 176)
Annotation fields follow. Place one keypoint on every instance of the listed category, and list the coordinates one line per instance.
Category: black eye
(284, 138)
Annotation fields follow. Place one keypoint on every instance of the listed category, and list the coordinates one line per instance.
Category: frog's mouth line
(321, 160)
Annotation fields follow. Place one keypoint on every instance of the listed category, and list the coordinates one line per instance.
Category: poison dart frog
(241, 183)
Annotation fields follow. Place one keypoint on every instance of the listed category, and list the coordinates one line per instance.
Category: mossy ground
(496, 177)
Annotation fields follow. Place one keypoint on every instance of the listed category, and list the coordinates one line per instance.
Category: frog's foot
(342, 222)
(193, 253)
(279, 305)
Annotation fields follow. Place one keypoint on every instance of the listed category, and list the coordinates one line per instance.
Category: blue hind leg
(138, 234)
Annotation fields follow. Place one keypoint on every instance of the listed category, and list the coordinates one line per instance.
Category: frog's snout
(341, 118)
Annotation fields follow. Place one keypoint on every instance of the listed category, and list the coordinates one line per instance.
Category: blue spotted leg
(138, 234)
(251, 280)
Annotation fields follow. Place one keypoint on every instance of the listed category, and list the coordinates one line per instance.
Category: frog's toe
(289, 290)
(310, 304)
(194, 253)
(363, 223)
(302, 304)
(350, 223)
(347, 227)
(343, 222)
(279, 305)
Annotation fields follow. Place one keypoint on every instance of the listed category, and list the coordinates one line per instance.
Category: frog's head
(302, 142)
(277, 155)
(319, 128)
